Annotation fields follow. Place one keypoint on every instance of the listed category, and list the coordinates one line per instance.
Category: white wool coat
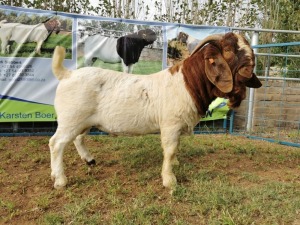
(121, 103)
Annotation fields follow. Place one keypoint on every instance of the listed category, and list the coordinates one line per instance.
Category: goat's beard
(235, 97)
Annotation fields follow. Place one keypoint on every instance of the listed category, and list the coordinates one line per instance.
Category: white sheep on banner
(23, 33)
(126, 49)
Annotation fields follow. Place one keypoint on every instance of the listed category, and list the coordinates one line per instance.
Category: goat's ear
(217, 70)
(253, 82)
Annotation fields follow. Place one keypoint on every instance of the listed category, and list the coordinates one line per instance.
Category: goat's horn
(214, 37)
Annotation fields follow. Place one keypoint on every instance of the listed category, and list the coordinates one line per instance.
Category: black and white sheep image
(23, 33)
(126, 49)
(170, 102)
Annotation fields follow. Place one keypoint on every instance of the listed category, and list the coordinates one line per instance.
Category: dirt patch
(27, 194)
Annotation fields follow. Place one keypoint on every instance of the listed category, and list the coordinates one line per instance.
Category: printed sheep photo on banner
(170, 102)
(23, 33)
(124, 47)
(190, 41)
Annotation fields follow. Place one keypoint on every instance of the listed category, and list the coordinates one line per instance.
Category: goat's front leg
(4, 47)
(170, 142)
(82, 150)
(38, 47)
(57, 144)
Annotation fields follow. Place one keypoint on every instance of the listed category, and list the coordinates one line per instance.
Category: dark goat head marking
(148, 35)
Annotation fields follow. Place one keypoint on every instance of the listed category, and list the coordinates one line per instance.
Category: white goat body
(136, 104)
(122, 104)
(108, 52)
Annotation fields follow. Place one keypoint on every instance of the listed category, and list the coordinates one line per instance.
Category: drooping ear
(253, 82)
(217, 70)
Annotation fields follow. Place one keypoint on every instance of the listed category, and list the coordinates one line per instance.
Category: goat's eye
(228, 49)
(228, 54)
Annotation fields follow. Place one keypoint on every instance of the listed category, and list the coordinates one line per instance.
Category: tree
(267, 14)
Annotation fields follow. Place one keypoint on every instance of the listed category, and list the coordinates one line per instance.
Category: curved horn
(214, 37)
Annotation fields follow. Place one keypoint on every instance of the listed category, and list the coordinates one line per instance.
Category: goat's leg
(170, 142)
(130, 67)
(38, 47)
(88, 60)
(127, 69)
(4, 46)
(57, 145)
(8, 49)
(82, 150)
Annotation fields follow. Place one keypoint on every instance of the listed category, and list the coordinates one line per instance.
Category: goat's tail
(58, 69)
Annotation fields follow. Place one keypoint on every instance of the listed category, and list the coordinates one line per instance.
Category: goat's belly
(126, 123)
(113, 58)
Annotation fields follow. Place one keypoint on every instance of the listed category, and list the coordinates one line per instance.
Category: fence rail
(269, 113)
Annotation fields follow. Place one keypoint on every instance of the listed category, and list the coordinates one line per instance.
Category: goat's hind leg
(82, 150)
(57, 144)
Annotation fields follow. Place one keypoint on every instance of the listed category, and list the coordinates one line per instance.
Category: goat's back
(102, 47)
(120, 103)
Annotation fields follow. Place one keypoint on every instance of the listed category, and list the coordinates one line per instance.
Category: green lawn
(27, 49)
(141, 67)
(222, 179)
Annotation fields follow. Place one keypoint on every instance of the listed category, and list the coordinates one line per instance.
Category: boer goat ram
(126, 49)
(22, 33)
(171, 101)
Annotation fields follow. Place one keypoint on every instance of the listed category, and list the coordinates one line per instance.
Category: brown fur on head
(220, 66)
(53, 25)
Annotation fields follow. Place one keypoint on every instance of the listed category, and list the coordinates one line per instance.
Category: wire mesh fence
(276, 105)
(275, 114)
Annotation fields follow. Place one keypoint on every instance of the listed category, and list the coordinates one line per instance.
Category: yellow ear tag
(211, 61)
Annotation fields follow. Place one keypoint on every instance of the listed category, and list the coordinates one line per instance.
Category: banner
(28, 38)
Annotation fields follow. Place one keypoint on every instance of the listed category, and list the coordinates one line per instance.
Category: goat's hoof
(170, 181)
(60, 183)
(91, 163)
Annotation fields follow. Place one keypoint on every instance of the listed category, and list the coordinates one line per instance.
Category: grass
(141, 67)
(27, 49)
(222, 179)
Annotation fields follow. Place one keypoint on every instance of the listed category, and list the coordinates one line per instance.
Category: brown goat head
(220, 66)
(53, 25)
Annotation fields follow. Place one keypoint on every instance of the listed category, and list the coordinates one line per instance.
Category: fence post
(254, 41)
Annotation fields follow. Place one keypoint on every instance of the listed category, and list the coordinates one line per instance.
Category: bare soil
(27, 194)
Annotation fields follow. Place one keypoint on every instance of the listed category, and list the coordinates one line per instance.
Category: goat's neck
(196, 82)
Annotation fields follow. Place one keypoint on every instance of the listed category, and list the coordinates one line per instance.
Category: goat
(171, 101)
(190, 41)
(126, 49)
(23, 33)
